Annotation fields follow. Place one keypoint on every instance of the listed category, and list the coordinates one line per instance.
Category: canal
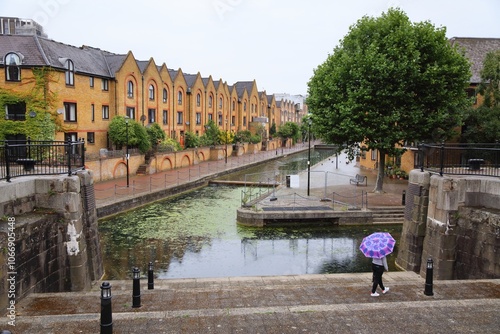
(195, 235)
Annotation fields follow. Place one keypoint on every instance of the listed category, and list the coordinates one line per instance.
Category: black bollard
(136, 288)
(106, 311)
(151, 284)
(428, 278)
(403, 199)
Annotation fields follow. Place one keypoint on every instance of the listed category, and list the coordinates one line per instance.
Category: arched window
(151, 92)
(165, 95)
(198, 100)
(210, 101)
(179, 97)
(12, 63)
(130, 89)
(220, 102)
(70, 72)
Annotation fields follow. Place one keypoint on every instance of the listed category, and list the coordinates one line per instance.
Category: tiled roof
(476, 50)
(38, 51)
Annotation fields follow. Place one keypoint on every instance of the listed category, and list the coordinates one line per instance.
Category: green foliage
(289, 130)
(169, 145)
(226, 137)
(211, 133)
(272, 130)
(155, 134)
(39, 100)
(389, 81)
(482, 125)
(137, 134)
(243, 136)
(191, 140)
(255, 139)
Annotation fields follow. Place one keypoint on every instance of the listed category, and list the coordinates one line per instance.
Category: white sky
(276, 42)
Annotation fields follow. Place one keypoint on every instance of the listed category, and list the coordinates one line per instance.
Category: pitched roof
(476, 50)
(38, 51)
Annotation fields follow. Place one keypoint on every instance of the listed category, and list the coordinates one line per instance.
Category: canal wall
(455, 221)
(48, 236)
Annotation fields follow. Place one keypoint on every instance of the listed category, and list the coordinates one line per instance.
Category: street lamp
(126, 153)
(226, 139)
(309, 157)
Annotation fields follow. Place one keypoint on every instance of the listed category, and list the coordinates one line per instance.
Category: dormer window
(12, 63)
(70, 72)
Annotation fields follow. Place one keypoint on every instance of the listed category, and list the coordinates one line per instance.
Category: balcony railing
(38, 157)
(460, 159)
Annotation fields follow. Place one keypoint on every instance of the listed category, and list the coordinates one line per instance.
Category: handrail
(40, 157)
(460, 159)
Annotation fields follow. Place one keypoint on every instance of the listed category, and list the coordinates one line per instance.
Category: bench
(359, 179)
(475, 164)
(29, 164)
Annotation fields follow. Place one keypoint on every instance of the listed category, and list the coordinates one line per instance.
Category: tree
(482, 125)
(289, 130)
(137, 135)
(155, 134)
(388, 82)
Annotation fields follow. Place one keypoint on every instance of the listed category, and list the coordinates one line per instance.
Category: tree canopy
(482, 125)
(389, 81)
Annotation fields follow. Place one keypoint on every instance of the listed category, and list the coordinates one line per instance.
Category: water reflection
(196, 235)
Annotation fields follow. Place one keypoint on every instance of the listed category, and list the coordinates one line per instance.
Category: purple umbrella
(377, 245)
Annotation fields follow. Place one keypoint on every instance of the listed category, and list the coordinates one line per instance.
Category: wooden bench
(359, 179)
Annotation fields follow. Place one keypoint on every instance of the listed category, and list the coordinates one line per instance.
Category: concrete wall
(454, 220)
(55, 234)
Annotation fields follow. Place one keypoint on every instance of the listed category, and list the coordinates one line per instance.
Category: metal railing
(460, 159)
(40, 157)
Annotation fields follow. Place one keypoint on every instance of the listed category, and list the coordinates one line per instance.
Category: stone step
(142, 170)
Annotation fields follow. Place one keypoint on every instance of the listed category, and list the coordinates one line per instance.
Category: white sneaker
(375, 294)
(385, 290)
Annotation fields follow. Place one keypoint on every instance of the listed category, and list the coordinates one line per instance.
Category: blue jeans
(378, 271)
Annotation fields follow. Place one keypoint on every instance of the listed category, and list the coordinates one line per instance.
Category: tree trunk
(379, 184)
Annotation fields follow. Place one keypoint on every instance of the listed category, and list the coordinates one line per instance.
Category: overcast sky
(276, 42)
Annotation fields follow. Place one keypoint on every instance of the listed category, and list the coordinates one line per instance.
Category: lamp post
(226, 139)
(309, 157)
(126, 153)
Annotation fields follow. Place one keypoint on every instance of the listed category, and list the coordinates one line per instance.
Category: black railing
(460, 159)
(40, 157)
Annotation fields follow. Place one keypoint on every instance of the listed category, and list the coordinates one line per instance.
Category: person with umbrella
(377, 246)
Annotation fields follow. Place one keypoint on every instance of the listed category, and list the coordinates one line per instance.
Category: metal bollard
(403, 199)
(136, 288)
(106, 311)
(428, 278)
(151, 284)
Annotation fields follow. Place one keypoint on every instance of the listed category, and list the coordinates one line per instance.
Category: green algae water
(195, 235)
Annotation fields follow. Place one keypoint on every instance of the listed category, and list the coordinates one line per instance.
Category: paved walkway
(333, 303)
(330, 303)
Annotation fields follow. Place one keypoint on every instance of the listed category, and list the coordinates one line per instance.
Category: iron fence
(460, 159)
(40, 157)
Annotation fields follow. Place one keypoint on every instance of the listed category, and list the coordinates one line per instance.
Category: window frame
(105, 85)
(179, 118)
(105, 111)
(69, 73)
(151, 112)
(130, 89)
(70, 114)
(151, 92)
(13, 69)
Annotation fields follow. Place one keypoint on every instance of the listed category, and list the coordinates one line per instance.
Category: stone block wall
(55, 234)
(460, 229)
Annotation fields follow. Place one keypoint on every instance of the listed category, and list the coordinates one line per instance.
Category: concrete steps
(142, 170)
(388, 215)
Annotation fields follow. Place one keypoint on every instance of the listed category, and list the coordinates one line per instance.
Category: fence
(40, 157)
(460, 159)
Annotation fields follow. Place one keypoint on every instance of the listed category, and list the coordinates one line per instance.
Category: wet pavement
(328, 303)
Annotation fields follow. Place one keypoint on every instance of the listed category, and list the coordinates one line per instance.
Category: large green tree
(389, 81)
(482, 125)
